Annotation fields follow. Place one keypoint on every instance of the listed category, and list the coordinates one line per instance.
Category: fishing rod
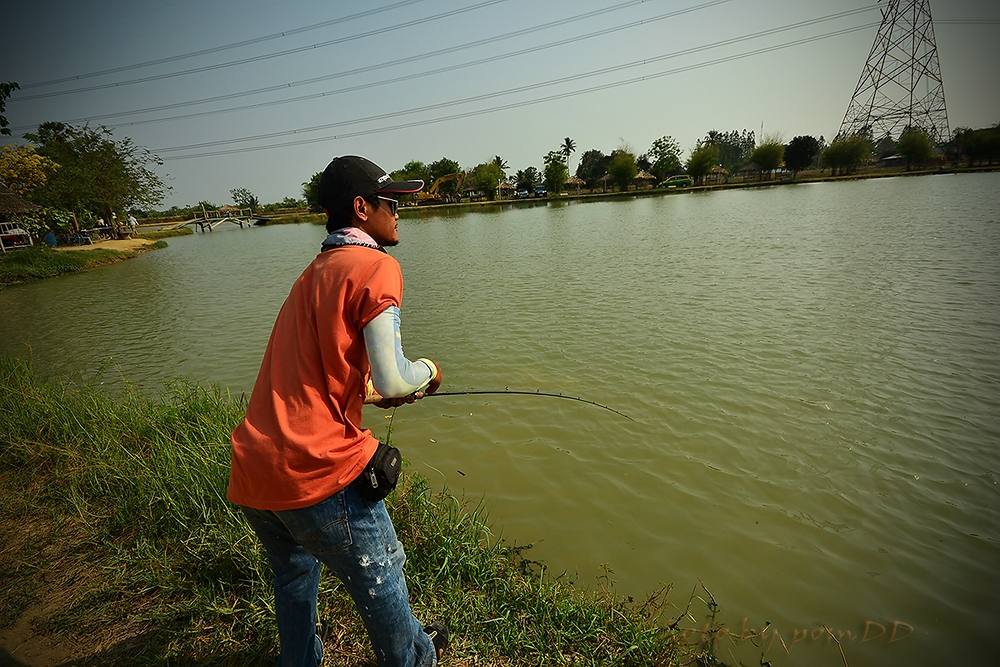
(528, 393)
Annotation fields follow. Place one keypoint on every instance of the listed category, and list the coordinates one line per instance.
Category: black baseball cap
(350, 176)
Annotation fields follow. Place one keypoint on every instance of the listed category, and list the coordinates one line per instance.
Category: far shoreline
(27, 265)
(409, 210)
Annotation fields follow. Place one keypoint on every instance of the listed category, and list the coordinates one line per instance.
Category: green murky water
(814, 374)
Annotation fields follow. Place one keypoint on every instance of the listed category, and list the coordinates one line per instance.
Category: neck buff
(349, 236)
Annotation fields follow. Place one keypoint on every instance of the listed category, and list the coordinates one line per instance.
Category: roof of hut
(12, 204)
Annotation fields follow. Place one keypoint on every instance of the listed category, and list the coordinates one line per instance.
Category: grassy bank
(20, 266)
(164, 233)
(294, 218)
(117, 502)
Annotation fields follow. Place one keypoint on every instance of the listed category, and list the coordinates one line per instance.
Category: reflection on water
(813, 371)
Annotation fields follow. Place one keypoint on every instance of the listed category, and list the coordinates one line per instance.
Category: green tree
(556, 171)
(6, 89)
(413, 170)
(310, 191)
(245, 199)
(734, 147)
(527, 179)
(885, 147)
(700, 162)
(622, 167)
(97, 173)
(768, 155)
(799, 153)
(444, 167)
(39, 221)
(501, 163)
(916, 146)
(858, 151)
(567, 148)
(970, 144)
(845, 154)
(22, 170)
(982, 145)
(665, 156)
(593, 166)
(484, 178)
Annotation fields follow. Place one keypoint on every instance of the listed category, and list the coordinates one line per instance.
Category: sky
(392, 79)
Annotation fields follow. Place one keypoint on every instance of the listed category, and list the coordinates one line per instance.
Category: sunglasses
(393, 204)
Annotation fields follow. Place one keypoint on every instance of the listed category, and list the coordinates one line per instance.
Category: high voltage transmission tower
(901, 84)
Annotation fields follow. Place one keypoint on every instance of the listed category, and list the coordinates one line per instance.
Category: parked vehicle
(679, 181)
(540, 191)
(521, 194)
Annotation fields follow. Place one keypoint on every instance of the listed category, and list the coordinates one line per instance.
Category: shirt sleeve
(392, 373)
(381, 290)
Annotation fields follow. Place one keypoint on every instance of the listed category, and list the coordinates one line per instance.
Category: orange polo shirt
(302, 440)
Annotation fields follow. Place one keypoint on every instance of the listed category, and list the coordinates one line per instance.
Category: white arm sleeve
(392, 373)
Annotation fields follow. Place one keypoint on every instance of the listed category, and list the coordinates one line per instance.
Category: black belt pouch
(381, 475)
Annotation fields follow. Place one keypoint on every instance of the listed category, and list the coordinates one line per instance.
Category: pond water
(813, 371)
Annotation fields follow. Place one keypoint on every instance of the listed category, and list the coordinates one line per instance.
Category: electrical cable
(508, 91)
(524, 103)
(410, 77)
(222, 47)
(399, 61)
(266, 56)
(540, 100)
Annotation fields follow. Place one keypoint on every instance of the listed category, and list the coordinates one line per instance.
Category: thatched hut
(11, 205)
(644, 179)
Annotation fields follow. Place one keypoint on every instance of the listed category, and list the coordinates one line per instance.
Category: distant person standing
(309, 478)
(132, 222)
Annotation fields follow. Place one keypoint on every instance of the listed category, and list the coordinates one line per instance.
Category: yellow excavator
(433, 194)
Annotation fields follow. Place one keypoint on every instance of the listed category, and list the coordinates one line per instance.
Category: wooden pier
(209, 220)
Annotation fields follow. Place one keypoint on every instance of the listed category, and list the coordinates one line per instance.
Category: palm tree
(568, 146)
(500, 162)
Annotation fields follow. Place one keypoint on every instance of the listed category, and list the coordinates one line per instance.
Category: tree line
(719, 156)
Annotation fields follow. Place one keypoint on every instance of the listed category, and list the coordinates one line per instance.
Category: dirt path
(122, 244)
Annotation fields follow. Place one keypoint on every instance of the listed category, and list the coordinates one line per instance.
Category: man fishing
(306, 474)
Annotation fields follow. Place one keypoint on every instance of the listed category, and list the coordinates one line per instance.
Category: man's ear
(360, 208)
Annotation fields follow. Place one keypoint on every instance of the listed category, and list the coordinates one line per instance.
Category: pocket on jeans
(330, 531)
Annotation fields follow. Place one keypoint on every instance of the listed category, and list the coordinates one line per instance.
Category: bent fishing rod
(528, 393)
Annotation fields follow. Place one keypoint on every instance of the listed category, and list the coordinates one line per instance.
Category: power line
(439, 70)
(540, 100)
(967, 21)
(389, 63)
(516, 89)
(266, 56)
(222, 47)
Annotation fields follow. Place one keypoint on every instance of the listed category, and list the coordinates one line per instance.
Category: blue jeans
(356, 540)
